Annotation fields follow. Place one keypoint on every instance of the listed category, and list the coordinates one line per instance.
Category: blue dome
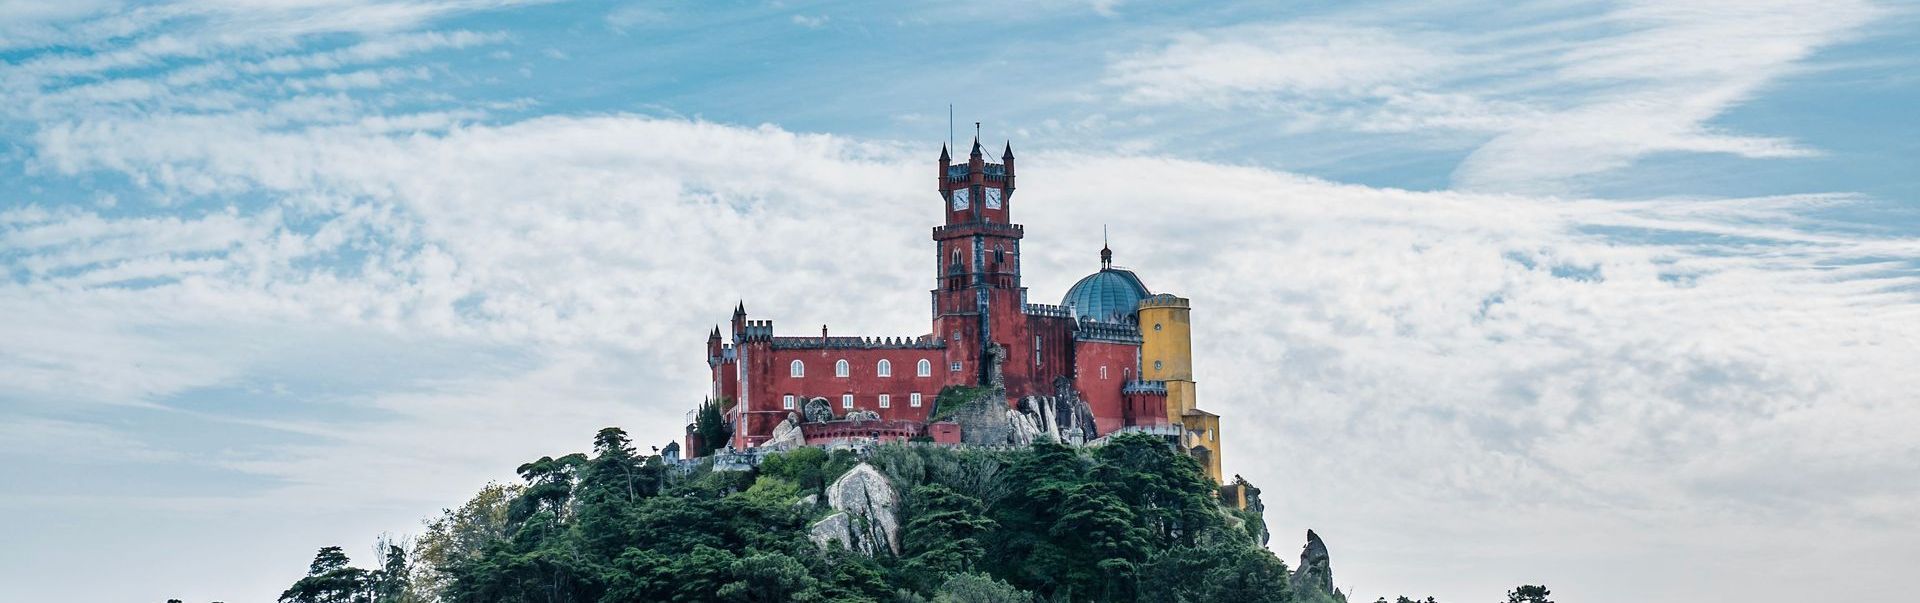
(1110, 295)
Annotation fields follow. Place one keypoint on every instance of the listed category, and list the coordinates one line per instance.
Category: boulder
(818, 410)
(865, 517)
(787, 434)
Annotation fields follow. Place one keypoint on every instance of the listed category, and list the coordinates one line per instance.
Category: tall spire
(943, 154)
(976, 140)
(1106, 253)
(1008, 154)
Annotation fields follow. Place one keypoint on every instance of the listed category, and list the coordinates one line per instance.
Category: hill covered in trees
(1132, 520)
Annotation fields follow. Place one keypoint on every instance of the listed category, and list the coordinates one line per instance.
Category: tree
(1528, 593)
(711, 426)
(943, 535)
(979, 588)
(549, 486)
(460, 535)
(330, 579)
(769, 577)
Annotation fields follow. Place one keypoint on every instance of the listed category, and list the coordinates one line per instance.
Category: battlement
(756, 330)
(1145, 387)
(922, 342)
(971, 228)
(1047, 310)
(993, 171)
(1089, 330)
(1164, 300)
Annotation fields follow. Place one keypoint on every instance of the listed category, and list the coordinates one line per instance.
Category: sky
(1617, 296)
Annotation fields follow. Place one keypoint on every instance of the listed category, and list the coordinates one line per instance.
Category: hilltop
(1131, 520)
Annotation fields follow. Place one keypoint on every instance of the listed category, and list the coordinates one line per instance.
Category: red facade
(978, 302)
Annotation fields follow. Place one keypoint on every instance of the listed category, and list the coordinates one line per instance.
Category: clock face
(960, 200)
(993, 198)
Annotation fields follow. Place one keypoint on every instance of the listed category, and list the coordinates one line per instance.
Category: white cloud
(1253, 64)
(1588, 98)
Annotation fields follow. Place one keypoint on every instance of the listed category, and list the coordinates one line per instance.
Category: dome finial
(1106, 253)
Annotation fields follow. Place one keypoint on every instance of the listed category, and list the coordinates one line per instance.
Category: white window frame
(924, 368)
(786, 402)
(846, 401)
(913, 399)
(1103, 372)
(797, 368)
(842, 369)
(954, 368)
(886, 401)
(883, 368)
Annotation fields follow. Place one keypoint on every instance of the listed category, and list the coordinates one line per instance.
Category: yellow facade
(1166, 355)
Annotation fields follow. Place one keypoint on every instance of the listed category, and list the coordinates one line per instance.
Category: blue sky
(1616, 296)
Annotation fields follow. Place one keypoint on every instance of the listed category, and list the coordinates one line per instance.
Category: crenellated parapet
(1089, 330)
(858, 343)
(1164, 300)
(756, 330)
(1047, 310)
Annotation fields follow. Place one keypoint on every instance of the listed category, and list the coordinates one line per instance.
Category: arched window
(797, 369)
(925, 368)
(884, 369)
(840, 368)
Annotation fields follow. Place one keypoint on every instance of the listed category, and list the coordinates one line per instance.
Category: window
(913, 399)
(886, 401)
(1156, 365)
(786, 402)
(1036, 350)
(1156, 326)
(884, 369)
(846, 401)
(1103, 372)
(840, 368)
(925, 368)
(954, 368)
(797, 369)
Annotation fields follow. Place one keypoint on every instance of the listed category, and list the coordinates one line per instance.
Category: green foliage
(979, 588)
(711, 426)
(1529, 593)
(944, 535)
(332, 579)
(1132, 520)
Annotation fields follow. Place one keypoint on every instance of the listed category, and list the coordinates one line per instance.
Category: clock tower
(978, 298)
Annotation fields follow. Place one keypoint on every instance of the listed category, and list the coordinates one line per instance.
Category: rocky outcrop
(787, 434)
(1316, 568)
(865, 517)
(1062, 418)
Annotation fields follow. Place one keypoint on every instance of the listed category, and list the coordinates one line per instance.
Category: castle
(1112, 357)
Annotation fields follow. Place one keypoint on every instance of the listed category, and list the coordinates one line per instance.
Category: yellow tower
(1166, 354)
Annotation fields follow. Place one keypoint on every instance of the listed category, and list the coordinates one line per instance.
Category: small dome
(1110, 295)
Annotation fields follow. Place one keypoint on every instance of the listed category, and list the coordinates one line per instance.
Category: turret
(739, 319)
(1006, 158)
(713, 345)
